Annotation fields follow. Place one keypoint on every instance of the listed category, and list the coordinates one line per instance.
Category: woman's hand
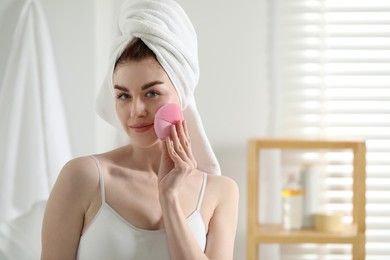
(177, 160)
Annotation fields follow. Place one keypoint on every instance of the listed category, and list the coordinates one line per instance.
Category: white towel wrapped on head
(166, 29)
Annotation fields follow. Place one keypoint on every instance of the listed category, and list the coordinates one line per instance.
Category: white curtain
(331, 65)
(33, 134)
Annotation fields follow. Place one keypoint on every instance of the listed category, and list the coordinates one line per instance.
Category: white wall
(230, 96)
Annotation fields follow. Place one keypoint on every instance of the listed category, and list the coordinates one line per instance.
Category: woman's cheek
(121, 112)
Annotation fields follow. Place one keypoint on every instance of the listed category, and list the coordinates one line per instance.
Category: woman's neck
(146, 158)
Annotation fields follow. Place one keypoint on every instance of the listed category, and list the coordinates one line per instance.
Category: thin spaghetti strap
(101, 178)
(200, 200)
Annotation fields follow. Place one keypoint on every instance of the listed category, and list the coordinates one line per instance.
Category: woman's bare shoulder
(79, 169)
(222, 181)
(84, 170)
(85, 166)
(79, 177)
(222, 186)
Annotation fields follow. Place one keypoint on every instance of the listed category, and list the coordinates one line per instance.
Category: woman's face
(141, 88)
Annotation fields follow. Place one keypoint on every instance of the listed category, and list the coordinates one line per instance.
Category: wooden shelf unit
(353, 234)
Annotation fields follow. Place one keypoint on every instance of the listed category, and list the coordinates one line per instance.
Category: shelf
(305, 143)
(353, 234)
(276, 234)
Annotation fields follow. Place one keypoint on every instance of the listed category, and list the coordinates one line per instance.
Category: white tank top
(110, 236)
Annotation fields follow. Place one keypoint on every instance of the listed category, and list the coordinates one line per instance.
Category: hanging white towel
(34, 141)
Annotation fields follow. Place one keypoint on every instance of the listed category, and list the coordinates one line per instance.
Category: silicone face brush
(167, 116)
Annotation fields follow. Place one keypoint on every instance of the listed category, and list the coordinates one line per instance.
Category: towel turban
(166, 29)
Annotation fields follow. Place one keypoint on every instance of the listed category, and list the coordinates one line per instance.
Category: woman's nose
(137, 109)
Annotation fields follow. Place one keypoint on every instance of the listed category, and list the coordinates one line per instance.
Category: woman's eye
(152, 93)
(122, 96)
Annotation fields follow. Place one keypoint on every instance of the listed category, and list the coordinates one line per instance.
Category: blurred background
(269, 68)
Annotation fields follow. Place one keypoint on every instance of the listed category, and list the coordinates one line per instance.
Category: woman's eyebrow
(151, 84)
(144, 87)
(121, 88)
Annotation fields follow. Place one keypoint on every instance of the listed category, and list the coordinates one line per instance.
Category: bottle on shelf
(292, 203)
(311, 189)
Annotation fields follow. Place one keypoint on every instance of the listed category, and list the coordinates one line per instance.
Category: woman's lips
(141, 128)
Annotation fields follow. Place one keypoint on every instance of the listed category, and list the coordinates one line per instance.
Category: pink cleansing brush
(165, 117)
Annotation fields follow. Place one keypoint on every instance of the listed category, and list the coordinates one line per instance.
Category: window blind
(330, 71)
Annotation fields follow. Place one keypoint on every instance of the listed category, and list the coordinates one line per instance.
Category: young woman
(148, 199)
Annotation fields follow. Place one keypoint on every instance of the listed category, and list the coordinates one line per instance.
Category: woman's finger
(171, 150)
(178, 143)
(183, 137)
(186, 162)
(185, 127)
(187, 143)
